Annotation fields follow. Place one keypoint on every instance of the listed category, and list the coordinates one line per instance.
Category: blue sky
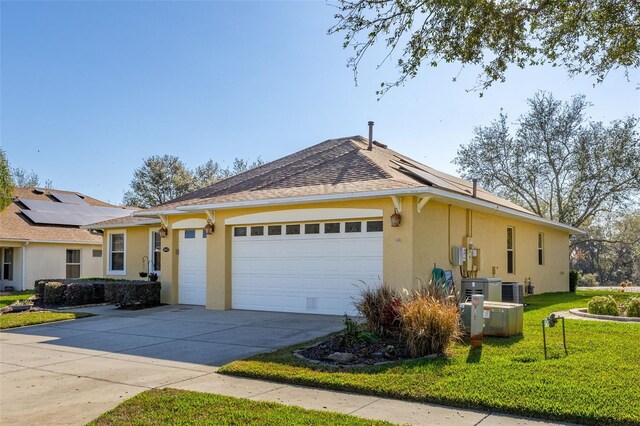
(89, 89)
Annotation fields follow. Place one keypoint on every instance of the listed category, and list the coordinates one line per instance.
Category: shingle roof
(335, 166)
(14, 225)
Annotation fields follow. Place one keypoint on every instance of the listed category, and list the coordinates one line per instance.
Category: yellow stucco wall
(409, 251)
(489, 234)
(137, 242)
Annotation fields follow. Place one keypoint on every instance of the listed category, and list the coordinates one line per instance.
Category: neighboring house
(40, 236)
(305, 232)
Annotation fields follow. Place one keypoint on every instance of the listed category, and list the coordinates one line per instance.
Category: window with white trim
(7, 264)
(117, 262)
(156, 251)
(540, 248)
(511, 253)
(73, 264)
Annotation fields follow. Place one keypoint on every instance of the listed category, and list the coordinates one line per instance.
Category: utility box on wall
(490, 288)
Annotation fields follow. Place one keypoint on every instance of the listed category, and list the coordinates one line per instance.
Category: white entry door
(306, 267)
(192, 267)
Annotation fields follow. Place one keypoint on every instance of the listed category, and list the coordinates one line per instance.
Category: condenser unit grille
(468, 292)
(513, 292)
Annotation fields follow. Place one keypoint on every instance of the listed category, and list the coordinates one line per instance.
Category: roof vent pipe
(370, 136)
(475, 188)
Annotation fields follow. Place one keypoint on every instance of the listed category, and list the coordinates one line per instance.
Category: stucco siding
(409, 251)
(489, 234)
(45, 260)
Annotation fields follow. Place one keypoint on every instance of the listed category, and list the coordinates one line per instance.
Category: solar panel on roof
(68, 198)
(51, 213)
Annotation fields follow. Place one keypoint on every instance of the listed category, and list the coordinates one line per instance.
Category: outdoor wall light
(209, 227)
(163, 232)
(396, 218)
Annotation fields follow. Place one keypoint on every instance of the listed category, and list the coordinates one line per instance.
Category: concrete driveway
(70, 372)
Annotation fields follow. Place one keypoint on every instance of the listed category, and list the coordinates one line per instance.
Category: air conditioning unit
(513, 293)
(490, 288)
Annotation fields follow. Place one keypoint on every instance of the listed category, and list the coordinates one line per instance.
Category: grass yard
(16, 295)
(178, 407)
(31, 318)
(598, 383)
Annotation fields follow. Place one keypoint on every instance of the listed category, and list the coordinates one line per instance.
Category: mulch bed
(386, 349)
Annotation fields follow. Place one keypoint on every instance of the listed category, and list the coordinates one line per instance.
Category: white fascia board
(142, 222)
(143, 213)
(489, 207)
(89, 243)
(13, 240)
(447, 197)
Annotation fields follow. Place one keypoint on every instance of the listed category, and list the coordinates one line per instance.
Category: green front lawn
(32, 318)
(598, 383)
(178, 407)
(16, 295)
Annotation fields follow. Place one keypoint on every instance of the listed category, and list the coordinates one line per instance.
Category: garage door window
(350, 227)
(240, 231)
(374, 226)
(312, 228)
(257, 231)
(275, 230)
(331, 228)
(293, 229)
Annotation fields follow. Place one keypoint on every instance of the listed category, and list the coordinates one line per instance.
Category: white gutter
(143, 213)
(50, 241)
(423, 191)
(141, 222)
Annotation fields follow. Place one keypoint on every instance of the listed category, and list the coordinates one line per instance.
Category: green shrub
(428, 326)
(574, 277)
(98, 292)
(379, 307)
(79, 294)
(132, 294)
(54, 294)
(589, 280)
(633, 307)
(603, 305)
(38, 288)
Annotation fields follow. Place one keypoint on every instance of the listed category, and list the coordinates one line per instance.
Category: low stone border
(582, 312)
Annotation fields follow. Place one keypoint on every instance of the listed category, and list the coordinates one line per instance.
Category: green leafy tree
(584, 37)
(611, 248)
(163, 178)
(555, 162)
(159, 180)
(24, 179)
(6, 183)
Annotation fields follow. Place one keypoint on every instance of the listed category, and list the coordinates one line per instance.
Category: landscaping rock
(341, 357)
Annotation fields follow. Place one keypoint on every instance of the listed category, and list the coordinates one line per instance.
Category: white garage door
(312, 267)
(192, 266)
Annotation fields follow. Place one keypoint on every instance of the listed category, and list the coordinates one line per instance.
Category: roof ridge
(250, 174)
(315, 166)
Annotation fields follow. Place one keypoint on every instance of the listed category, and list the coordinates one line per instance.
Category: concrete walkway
(71, 372)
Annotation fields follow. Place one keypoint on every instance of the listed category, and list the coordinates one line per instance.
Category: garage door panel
(192, 269)
(319, 273)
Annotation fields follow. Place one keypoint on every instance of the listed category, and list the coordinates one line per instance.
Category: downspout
(24, 266)
(449, 236)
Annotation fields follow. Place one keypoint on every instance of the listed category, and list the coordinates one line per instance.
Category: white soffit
(302, 215)
(193, 223)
